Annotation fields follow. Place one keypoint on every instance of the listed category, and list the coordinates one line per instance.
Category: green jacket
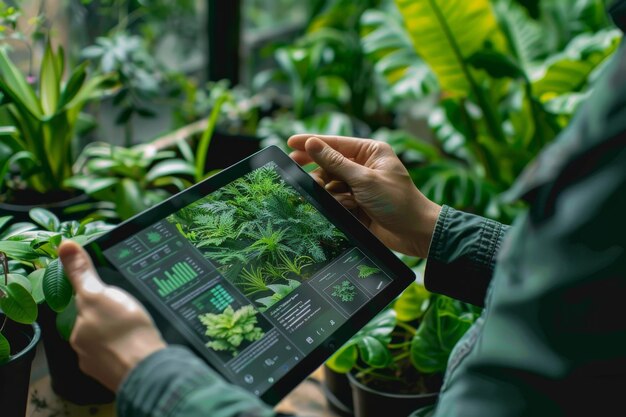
(552, 337)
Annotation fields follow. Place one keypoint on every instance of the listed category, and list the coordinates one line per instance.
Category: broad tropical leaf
(569, 71)
(523, 34)
(387, 44)
(445, 33)
(56, 287)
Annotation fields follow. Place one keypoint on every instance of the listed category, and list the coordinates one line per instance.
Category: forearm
(174, 382)
(462, 255)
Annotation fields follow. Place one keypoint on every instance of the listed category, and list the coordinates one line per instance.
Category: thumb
(333, 162)
(79, 269)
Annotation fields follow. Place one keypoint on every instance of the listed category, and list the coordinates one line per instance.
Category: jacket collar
(618, 13)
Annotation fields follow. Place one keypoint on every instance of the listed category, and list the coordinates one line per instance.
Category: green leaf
(496, 64)
(57, 288)
(129, 198)
(569, 71)
(412, 303)
(74, 84)
(525, 36)
(440, 34)
(45, 219)
(445, 322)
(20, 251)
(374, 352)
(49, 82)
(344, 359)
(170, 167)
(90, 185)
(5, 349)
(20, 280)
(66, 319)
(388, 46)
(36, 282)
(18, 304)
(13, 83)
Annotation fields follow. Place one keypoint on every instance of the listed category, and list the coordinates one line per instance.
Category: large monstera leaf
(387, 44)
(569, 72)
(447, 32)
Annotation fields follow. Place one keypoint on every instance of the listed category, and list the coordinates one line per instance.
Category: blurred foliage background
(466, 92)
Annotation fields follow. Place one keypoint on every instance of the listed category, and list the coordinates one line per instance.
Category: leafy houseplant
(128, 180)
(228, 330)
(19, 335)
(32, 251)
(403, 352)
(40, 124)
(263, 237)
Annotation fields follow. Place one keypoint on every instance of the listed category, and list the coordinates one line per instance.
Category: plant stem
(406, 327)
(205, 141)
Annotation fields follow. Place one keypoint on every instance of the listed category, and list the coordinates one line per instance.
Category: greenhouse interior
(318, 208)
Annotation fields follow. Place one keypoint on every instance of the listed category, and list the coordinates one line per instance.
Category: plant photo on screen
(262, 235)
(232, 328)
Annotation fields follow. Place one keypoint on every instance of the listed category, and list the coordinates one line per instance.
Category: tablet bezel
(329, 207)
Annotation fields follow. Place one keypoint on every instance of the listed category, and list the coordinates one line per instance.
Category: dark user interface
(255, 271)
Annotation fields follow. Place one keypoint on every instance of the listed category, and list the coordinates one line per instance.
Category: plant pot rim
(24, 208)
(31, 345)
(355, 382)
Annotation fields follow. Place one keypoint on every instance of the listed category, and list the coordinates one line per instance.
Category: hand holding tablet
(258, 269)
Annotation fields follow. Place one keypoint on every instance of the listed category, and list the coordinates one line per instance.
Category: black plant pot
(56, 202)
(68, 381)
(15, 374)
(226, 149)
(338, 393)
(369, 402)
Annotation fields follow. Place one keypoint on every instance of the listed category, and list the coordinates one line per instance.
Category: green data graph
(180, 274)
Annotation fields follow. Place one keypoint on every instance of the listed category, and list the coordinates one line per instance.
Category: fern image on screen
(263, 236)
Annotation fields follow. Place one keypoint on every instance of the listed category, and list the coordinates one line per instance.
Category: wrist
(135, 351)
(425, 227)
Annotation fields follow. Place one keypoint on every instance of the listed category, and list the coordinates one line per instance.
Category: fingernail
(315, 145)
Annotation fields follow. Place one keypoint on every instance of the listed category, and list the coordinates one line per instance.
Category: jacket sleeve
(462, 255)
(174, 382)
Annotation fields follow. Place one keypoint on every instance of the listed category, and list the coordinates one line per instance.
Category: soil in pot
(15, 374)
(68, 381)
(338, 393)
(403, 391)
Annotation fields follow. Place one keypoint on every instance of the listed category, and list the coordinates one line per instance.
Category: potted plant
(19, 334)
(40, 123)
(126, 181)
(397, 360)
(33, 249)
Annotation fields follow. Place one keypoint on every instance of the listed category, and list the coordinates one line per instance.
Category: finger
(346, 200)
(301, 157)
(333, 162)
(348, 146)
(79, 269)
(337, 187)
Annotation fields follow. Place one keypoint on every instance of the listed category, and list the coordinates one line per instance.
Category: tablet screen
(257, 274)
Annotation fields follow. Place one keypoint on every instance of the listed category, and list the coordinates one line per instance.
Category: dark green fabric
(174, 382)
(462, 253)
(552, 338)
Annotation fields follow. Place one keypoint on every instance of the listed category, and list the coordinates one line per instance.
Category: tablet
(257, 269)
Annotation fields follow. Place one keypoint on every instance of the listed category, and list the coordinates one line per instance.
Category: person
(551, 340)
